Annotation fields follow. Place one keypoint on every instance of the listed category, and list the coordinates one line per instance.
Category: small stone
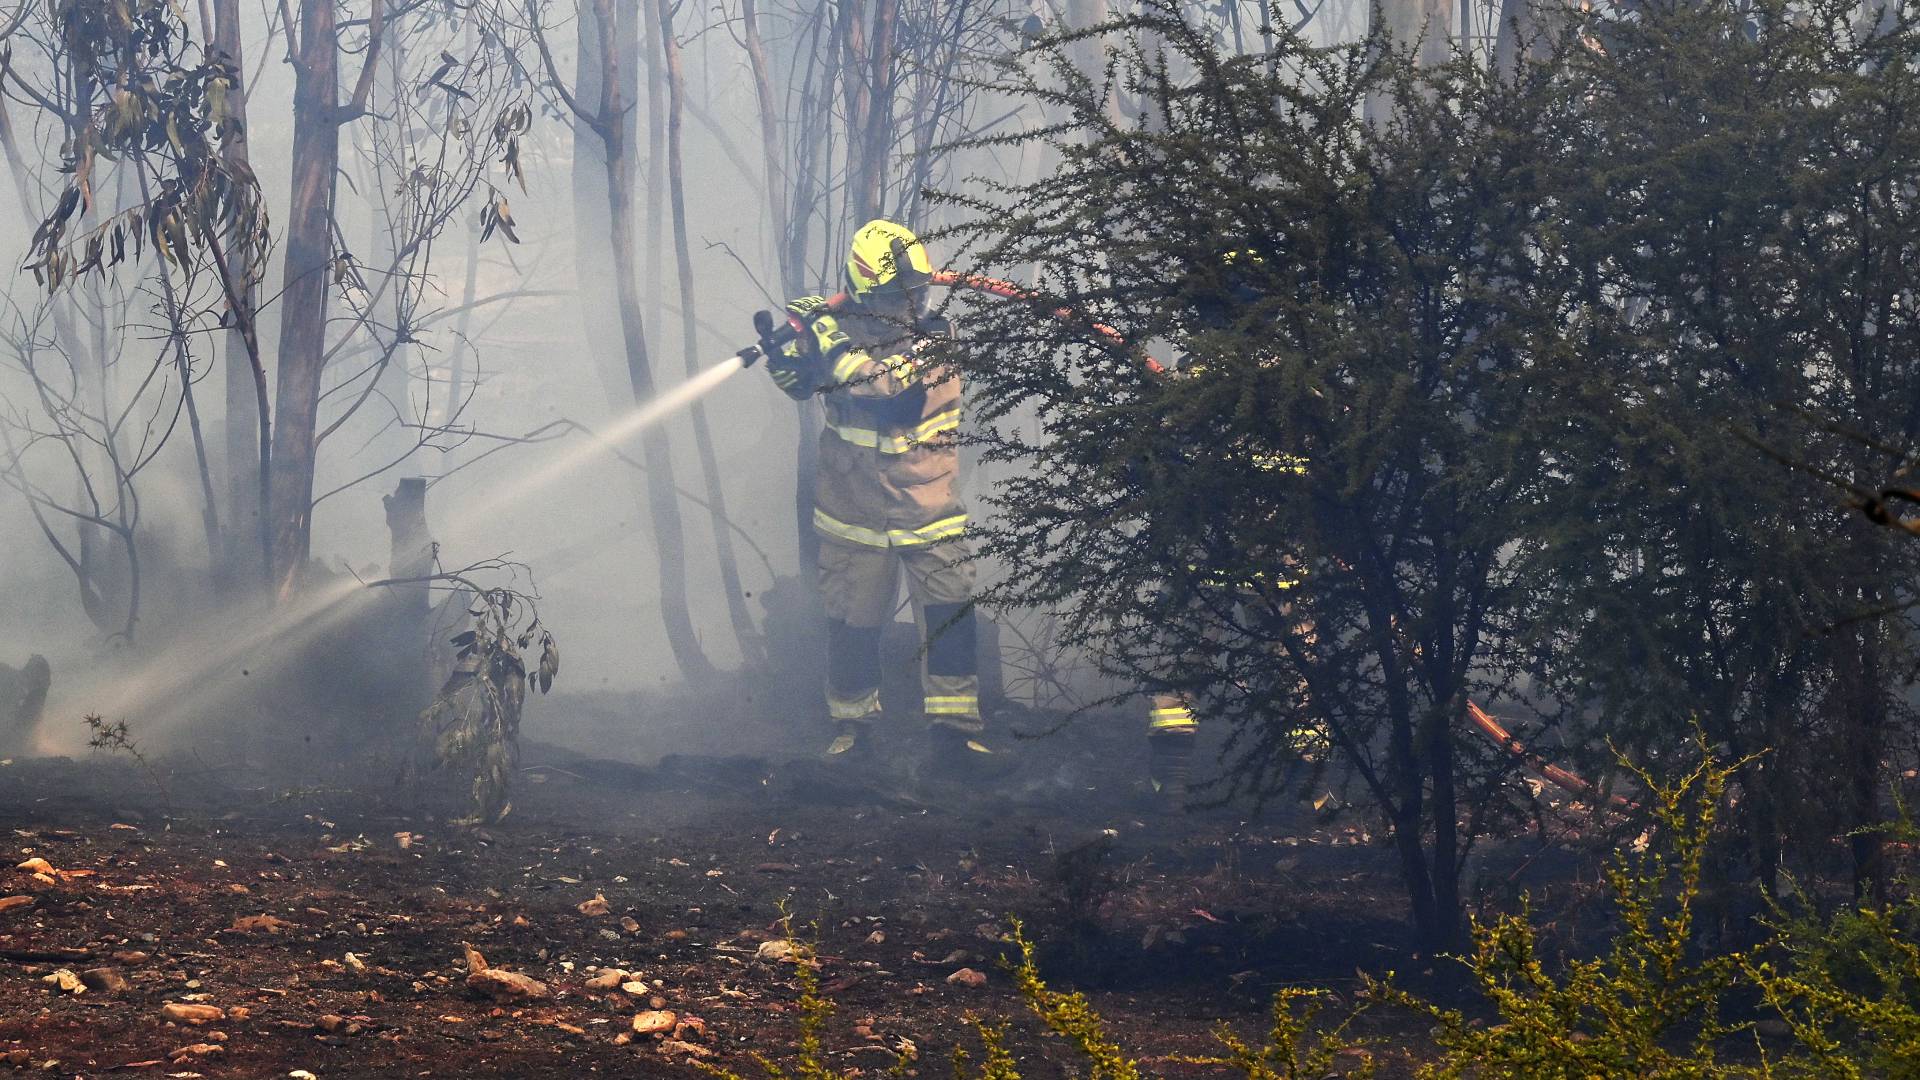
(9, 903)
(476, 963)
(676, 1048)
(676, 935)
(19, 1057)
(654, 1022)
(609, 979)
(35, 865)
(779, 951)
(261, 924)
(506, 985)
(690, 1028)
(330, 1023)
(239, 1014)
(130, 958)
(595, 907)
(301, 1074)
(106, 980)
(185, 1013)
(634, 987)
(354, 964)
(878, 937)
(630, 924)
(966, 977)
(65, 981)
(197, 1050)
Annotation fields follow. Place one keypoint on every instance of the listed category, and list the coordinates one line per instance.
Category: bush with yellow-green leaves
(1838, 995)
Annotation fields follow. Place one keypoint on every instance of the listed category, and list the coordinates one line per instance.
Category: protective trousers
(858, 583)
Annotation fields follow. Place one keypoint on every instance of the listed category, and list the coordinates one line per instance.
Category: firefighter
(1219, 301)
(885, 499)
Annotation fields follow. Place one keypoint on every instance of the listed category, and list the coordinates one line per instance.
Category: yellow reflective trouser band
(938, 424)
(853, 708)
(925, 534)
(1171, 718)
(953, 705)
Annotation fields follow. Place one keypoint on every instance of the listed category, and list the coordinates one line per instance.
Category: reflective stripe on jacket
(888, 457)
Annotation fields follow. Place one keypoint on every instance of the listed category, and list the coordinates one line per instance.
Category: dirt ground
(328, 921)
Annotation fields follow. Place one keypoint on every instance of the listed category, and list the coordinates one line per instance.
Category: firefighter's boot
(853, 744)
(954, 754)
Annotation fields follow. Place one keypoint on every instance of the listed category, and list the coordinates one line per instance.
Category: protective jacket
(888, 459)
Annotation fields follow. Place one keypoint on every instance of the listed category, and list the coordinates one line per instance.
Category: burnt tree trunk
(737, 614)
(614, 125)
(792, 265)
(247, 440)
(306, 288)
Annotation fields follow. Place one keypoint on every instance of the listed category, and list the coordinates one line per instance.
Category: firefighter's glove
(816, 332)
(791, 375)
(928, 332)
(791, 362)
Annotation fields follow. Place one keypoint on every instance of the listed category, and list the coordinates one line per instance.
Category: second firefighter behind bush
(885, 498)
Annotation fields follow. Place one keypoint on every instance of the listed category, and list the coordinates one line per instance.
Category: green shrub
(1847, 987)
(1647, 1007)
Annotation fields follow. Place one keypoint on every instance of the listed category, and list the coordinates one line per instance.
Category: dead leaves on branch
(473, 724)
(168, 117)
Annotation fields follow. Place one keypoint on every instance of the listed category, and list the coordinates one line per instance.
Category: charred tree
(310, 270)
(609, 66)
(675, 78)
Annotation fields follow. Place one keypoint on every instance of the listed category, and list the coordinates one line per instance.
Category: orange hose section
(1560, 777)
(953, 279)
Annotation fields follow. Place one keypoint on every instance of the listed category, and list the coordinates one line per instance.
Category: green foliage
(1069, 1016)
(1652, 1002)
(816, 1011)
(1849, 988)
(1301, 528)
(1295, 1048)
(1648, 1006)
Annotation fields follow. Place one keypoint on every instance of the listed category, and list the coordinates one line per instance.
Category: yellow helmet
(885, 257)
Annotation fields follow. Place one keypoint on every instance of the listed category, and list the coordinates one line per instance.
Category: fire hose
(773, 336)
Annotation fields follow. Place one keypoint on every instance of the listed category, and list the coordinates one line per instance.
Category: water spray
(164, 685)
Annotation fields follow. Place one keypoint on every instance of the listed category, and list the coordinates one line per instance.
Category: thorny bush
(1461, 401)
